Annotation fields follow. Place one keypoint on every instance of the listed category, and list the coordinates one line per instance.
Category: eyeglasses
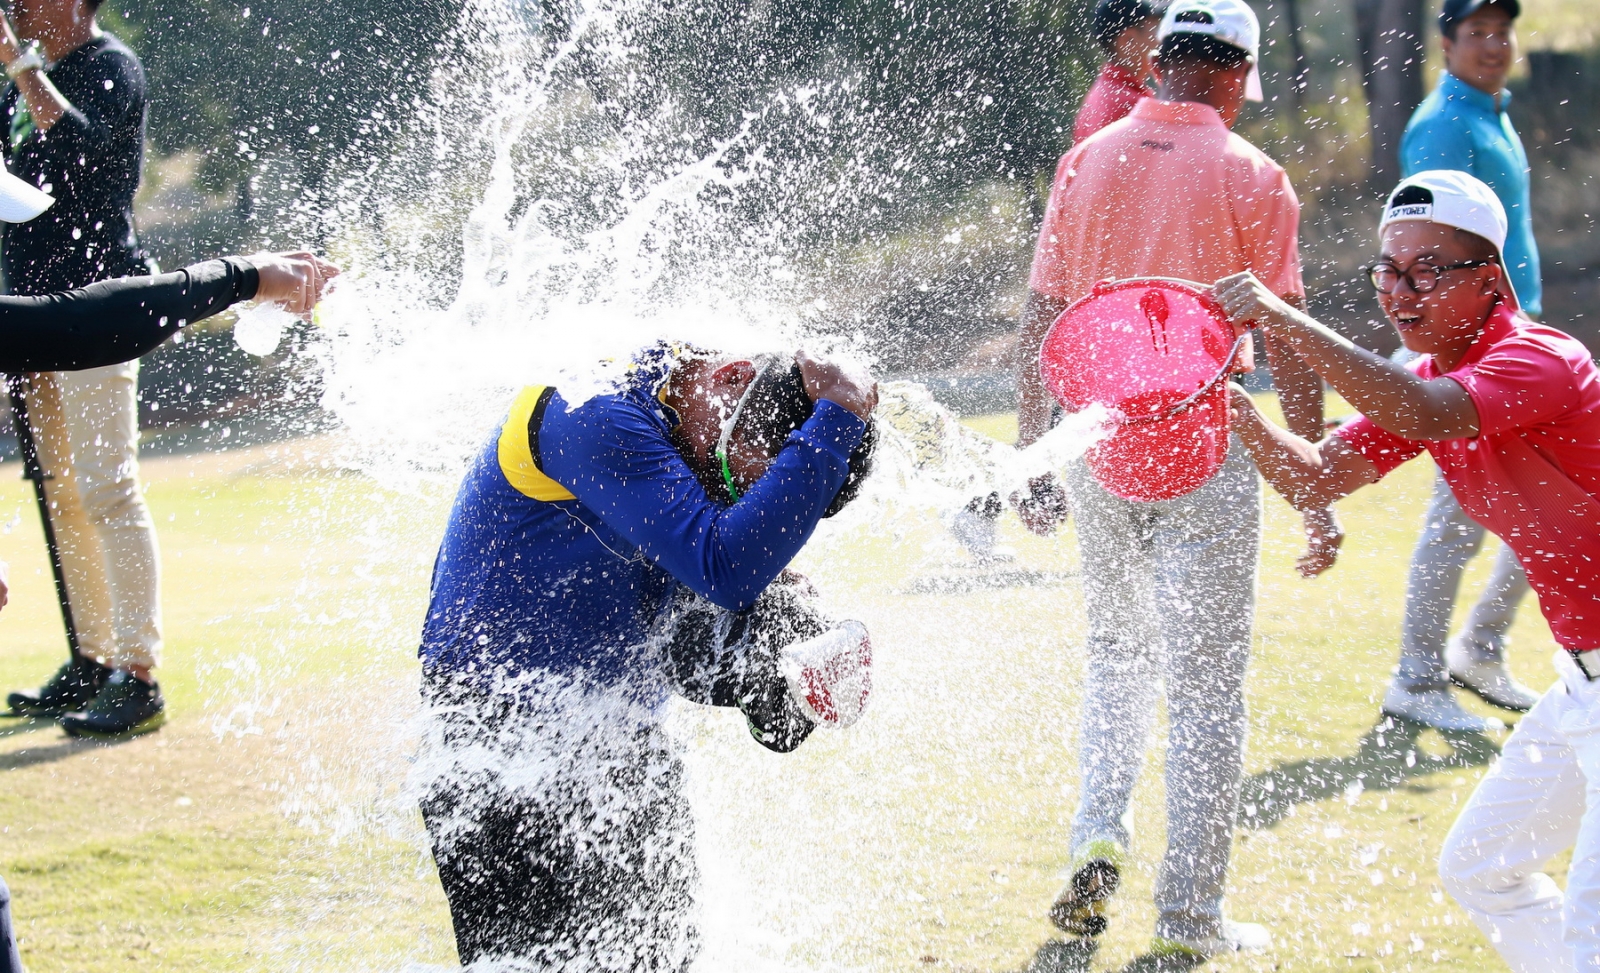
(1422, 277)
(728, 427)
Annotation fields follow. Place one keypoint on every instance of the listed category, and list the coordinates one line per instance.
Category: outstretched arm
(1300, 395)
(1388, 393)
(1309, 475)
(116, 320)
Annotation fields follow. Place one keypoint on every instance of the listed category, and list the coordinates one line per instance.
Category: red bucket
(1141, 347)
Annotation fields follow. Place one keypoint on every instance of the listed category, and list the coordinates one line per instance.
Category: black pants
(591, 868)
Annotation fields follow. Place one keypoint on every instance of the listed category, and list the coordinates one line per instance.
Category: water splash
(530, 230)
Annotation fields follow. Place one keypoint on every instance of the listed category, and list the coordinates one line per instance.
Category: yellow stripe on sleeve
(518, 463)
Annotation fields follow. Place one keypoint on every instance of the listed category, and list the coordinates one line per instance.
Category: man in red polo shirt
(1510, 411)
(1126, 32)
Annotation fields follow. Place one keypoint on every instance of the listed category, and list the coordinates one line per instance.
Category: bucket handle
(1179, 408)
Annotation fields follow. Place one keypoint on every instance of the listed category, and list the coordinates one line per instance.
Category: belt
(1588, 661)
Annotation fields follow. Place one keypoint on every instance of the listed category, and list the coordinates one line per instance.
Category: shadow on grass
(11, 726)
(1386, 758)
(1149, 963)
(1077, 956)
(1062, 956)
(60, 750)
(962, 584)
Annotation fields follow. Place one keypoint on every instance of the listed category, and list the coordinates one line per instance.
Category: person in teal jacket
(1463, 124)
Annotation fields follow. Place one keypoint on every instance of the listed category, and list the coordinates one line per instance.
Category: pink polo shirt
(1112, 96)
(1168, 191)
(1532, 474)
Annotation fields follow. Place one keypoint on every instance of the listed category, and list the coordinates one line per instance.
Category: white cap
(1229, 21)
(20, 202)
(1450, 197)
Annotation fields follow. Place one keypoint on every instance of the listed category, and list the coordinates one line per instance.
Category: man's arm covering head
(619, 462)
(779, 406)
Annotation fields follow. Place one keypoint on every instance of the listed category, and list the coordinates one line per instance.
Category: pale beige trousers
(86, 425)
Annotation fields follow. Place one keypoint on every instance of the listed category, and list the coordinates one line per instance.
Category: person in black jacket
(75, 121)
(110, 322)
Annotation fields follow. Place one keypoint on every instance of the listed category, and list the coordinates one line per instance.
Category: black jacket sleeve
(116, 320)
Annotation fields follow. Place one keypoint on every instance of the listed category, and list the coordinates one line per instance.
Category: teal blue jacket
(1458, 127)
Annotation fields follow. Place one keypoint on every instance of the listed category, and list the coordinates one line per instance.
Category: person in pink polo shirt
(1126, 32)
(1510, 411)
(1169, 586)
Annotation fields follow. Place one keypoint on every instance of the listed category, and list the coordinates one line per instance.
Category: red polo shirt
(1114, 93)
(1532, 474)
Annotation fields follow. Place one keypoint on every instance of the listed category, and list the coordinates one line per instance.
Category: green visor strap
(728, 427)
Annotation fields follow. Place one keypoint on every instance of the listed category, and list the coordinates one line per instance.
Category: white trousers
(1170, 591)
(86, 425)
(1541, 798)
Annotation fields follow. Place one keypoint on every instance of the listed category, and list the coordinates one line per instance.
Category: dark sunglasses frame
(1408, 275)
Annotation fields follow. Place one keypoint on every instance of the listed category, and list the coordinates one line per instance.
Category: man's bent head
(735, 414)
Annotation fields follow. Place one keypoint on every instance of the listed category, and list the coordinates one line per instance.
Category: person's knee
(1451, 536)
(1471, 873)
(114, 502)
(1120, 657)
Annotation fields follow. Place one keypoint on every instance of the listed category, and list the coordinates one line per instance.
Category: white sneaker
(1435, 707)
(1488, 679)
(1236, 937)
(830, 676)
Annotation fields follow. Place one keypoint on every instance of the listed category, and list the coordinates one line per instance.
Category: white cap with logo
(1451, 197)
(1229, 21)
(20, 202)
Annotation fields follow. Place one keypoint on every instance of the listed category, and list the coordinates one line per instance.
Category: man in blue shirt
(552, 797)
(1463, 125)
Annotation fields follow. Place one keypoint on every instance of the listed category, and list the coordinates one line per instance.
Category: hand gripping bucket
(1157, 352)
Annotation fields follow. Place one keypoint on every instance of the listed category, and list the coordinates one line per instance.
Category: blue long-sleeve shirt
(1459, 127)
(574, 583)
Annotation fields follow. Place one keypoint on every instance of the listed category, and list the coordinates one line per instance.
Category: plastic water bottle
(260, 328)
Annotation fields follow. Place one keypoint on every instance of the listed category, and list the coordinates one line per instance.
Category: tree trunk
(1389, 34)
(1297, 48)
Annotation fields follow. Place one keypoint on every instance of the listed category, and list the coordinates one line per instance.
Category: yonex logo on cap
(1414, 211)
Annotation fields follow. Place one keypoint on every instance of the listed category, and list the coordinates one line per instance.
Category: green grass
(266, 827)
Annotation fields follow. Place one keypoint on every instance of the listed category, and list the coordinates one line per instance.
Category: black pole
(32, 471)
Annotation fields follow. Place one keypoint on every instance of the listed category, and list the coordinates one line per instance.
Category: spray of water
(534, 227)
